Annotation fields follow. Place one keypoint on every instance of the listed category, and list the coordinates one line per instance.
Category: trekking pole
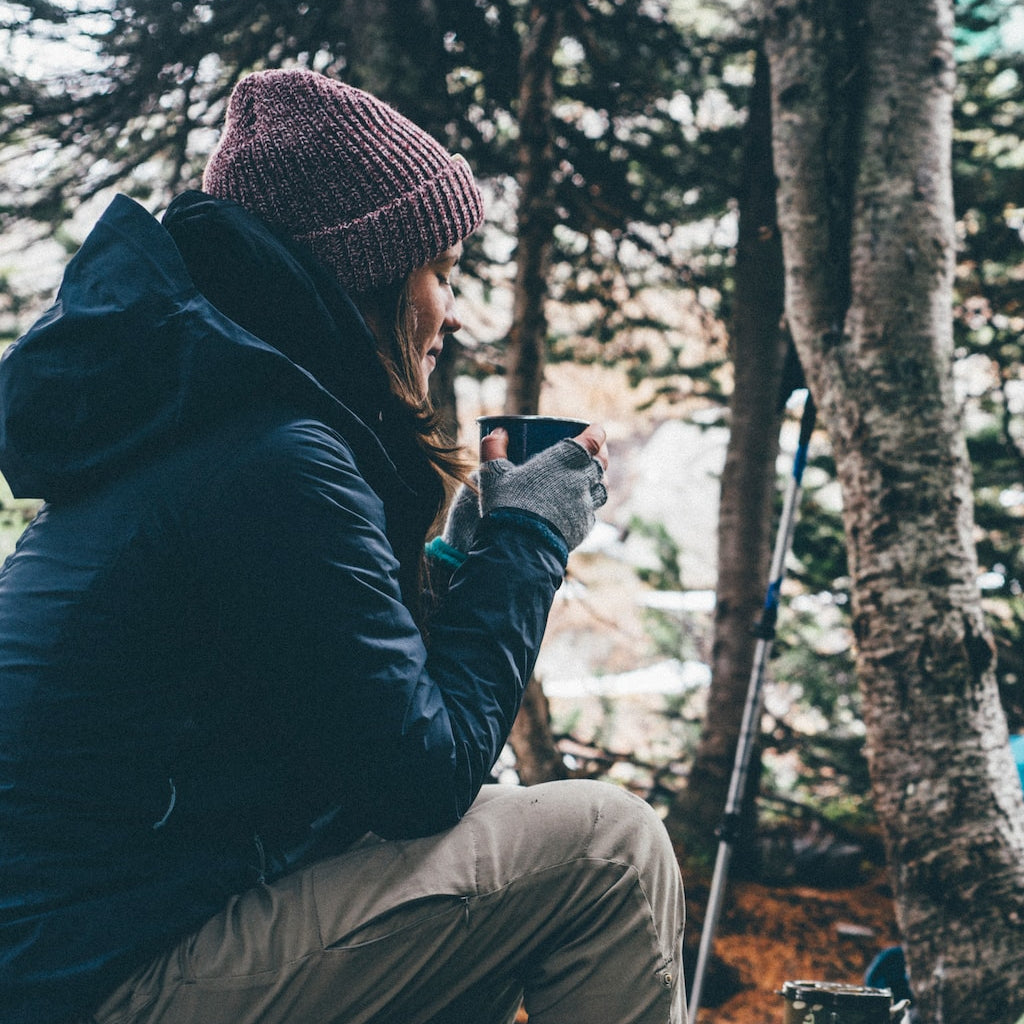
(728, 830)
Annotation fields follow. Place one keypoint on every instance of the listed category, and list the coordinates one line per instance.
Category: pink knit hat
(371, 194)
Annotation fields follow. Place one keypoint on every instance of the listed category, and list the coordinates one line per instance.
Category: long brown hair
(391, 316)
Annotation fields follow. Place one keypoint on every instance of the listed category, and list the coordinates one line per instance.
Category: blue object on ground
(1017, 749)
(889, 970)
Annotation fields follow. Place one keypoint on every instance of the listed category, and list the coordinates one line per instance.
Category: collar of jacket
(276, 289)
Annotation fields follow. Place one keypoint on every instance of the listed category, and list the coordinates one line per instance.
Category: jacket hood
(133, 356)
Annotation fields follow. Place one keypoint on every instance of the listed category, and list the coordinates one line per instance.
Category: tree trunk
(536, 216)
(537, 757)
(442, 389)
(536, 754)
(869, 265)
(758, 349)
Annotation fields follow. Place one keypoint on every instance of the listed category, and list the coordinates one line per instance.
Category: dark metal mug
(528, 435)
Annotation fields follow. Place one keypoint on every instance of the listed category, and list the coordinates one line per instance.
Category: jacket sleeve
(356, 710)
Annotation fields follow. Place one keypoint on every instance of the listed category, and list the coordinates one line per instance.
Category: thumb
(494, 445)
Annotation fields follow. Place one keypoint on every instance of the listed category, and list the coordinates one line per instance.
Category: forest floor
(768, 935)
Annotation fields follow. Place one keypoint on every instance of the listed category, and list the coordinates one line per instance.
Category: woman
(240, 770)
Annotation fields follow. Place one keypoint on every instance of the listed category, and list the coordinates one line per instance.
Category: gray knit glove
(463, 515)
(562, 485)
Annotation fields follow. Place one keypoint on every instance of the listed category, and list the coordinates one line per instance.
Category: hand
(495, 444)
(562, 485)
(594, 440)
(463, 515)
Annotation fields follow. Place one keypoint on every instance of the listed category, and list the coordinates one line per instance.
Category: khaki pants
(565, 895)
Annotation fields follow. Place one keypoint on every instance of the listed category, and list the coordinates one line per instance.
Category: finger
(593, 440)
(494, 445)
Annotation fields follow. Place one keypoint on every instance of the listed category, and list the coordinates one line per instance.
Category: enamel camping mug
(528, 435)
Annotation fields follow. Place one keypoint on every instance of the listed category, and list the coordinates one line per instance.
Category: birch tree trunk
(862, 102)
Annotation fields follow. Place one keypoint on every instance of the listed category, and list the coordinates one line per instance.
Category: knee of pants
(613, 823)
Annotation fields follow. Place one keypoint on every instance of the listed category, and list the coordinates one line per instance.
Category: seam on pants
(667, 957)
(654, 921)
(131, 1013)
(584, 859)
(436, 907)
(661, 959)
(476, 867)
(316, 911)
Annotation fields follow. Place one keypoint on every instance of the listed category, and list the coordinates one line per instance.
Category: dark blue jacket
(209, 663)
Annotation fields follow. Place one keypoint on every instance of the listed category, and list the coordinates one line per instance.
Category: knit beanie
(371, 194)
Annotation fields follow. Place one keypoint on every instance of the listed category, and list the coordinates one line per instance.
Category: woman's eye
(447, 275)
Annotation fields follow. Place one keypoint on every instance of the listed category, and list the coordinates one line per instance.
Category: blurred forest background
(626, 154)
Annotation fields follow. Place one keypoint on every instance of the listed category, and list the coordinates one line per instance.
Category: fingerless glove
(562, 485)
(459, 527)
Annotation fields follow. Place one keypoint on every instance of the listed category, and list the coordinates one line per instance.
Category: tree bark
(536, 215)
(868, 234)
(442, 389)
(758, 350)
(537, 757)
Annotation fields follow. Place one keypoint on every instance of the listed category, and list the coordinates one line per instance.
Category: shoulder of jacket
(291, 441)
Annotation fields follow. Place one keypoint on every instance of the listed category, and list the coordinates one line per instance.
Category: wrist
(535, 524)
(441, 551)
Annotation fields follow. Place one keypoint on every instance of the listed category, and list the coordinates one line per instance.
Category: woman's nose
(452, 323)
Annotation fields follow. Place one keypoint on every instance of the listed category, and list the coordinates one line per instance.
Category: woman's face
(432, 304)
